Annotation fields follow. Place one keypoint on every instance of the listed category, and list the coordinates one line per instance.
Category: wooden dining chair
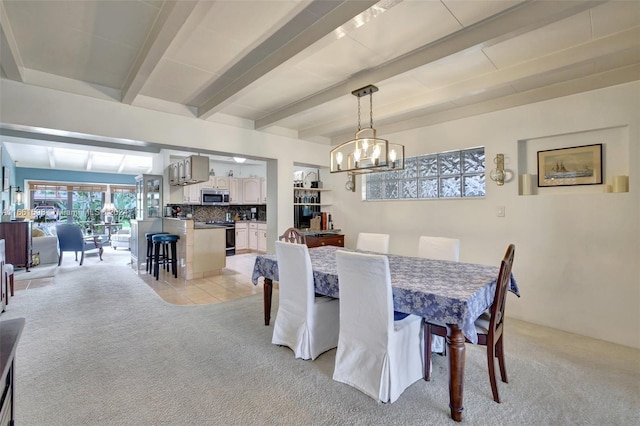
(378, 243)
(306, 323)
(292, 235)
(490, 326)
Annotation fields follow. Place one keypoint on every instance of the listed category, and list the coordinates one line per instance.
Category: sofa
(45, 245)
(121, 238)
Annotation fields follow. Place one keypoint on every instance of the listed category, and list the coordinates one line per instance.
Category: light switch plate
(500, 211)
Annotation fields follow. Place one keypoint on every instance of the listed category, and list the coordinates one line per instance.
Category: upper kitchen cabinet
(235, 191)
(263, 190)
(195, 170)
(190, 170)
(251, 191)
(219, 182)
(174, 174)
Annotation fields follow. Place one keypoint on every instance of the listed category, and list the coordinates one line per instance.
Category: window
(81, 203)
(451, 174)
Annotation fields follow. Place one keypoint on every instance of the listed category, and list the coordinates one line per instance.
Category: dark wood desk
(10, 332)
(324, 240)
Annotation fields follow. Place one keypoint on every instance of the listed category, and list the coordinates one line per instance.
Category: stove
(231, 224)
(230, 234)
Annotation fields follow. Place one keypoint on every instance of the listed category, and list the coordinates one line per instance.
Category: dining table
(440, 291)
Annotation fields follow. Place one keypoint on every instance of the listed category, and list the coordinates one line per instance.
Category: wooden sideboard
(17, 237)
(324, 240)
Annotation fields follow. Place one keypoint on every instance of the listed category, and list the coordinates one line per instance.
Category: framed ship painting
(578, 165)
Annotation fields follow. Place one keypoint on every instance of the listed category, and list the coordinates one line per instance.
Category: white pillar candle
(607, 188)
(621, 183)
(527, 184)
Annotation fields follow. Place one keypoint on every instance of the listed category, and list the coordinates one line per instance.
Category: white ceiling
(291, 65)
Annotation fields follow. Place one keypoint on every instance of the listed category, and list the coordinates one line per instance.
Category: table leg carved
(456, 348)
(268, 289)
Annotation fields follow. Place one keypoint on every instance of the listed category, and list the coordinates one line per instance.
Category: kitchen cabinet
(263, 190)
(251, 191)
(195, 169)
(190, 170)
(174, 174)
(242, 232)
(253, 236)
(324, 240)
(138, 240)
(148, 197)
(257, 237)
(219, 182)
(191, 193)
(235, 191)
(262, 237)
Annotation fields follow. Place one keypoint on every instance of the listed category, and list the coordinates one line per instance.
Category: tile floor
(234, 282)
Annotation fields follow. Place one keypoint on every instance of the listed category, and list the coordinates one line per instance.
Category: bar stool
(167, 244)
(149, 263)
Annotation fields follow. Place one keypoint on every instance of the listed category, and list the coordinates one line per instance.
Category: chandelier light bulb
(376, 151)
(339, 158)
(392, 155)
(356, 154)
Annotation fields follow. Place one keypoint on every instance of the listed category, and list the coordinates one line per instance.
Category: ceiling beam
(318, 19)
(171, 19)
(46, 136)
(581, 55)
(52, 159)
(565, 88)
(517, 20)
(89, 162)
(9, 53)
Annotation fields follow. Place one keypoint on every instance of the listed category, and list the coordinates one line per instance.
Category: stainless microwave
(214, 197)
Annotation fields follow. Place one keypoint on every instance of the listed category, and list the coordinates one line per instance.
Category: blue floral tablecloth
(438, 290)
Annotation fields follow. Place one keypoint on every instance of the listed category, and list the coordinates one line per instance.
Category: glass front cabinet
(148, 197)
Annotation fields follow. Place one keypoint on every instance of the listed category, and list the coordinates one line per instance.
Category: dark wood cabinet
(324, 240)
(10, 332)
(17, 237)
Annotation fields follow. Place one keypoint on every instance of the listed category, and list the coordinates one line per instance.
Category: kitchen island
(201, 247)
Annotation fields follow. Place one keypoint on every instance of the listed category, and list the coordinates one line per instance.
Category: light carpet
(101, 348)
(36, 272)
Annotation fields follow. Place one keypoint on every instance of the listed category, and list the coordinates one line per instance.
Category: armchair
(70, 238)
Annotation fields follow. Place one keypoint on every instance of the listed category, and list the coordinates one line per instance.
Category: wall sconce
(497, 175)
(16, 194)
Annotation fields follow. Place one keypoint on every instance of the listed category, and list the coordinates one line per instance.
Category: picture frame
(5, 179)
(578, 165)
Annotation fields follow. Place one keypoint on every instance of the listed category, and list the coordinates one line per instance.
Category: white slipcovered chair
(376, 355)
(439, 248)
(121, 238)
(378, 243)
(307, 324)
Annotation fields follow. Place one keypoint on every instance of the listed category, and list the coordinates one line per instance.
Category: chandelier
(366, 153)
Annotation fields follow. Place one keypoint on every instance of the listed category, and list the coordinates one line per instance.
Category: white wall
(577, 248)
(50, 109)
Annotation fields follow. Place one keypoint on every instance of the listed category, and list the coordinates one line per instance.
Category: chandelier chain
(359, 126)
(371, 110)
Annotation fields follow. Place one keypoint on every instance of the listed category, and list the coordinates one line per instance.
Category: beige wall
(577, 249)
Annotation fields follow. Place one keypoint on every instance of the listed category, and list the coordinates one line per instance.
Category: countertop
(320, 233)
